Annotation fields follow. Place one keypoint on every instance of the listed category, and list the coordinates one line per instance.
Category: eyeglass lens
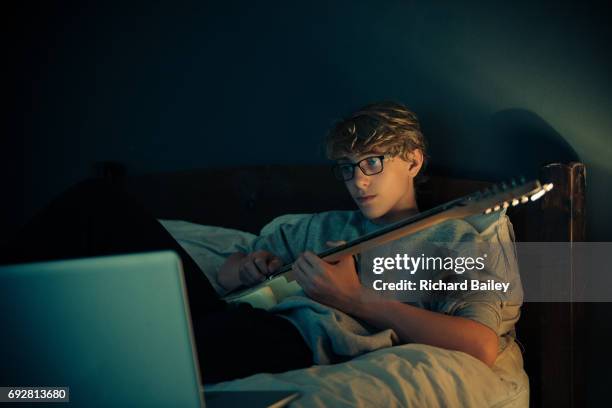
(369, 166)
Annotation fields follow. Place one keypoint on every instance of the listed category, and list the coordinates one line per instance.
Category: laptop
(115, 330)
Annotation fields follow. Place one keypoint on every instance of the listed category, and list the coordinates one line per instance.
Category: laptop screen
(115, 330)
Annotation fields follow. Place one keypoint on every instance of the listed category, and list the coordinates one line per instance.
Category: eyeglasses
(368, 166)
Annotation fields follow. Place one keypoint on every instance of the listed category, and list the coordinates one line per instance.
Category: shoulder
(477, 227)
(484, 222)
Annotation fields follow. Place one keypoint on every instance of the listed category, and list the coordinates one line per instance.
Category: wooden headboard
(247, 198)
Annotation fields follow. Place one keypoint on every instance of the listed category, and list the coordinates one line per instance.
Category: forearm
(228, 276)
(416, 325)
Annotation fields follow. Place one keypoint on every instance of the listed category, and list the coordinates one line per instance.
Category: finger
(311, 259)
(274, 264)
(349, 261)
(261, 265)
(305, 266)
(346, 258)
(253, 273)
(303, 278)
(299, 274)
(246, 275)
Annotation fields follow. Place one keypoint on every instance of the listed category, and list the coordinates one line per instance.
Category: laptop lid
(114, 329)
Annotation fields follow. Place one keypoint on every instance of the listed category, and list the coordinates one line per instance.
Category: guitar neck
(489, 200)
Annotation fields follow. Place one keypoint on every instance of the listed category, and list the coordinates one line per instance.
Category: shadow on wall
(524, 142)
(510, 143)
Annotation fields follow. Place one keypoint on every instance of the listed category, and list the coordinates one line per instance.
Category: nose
(360, 180)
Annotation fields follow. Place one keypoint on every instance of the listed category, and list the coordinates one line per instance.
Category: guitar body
(269, 294)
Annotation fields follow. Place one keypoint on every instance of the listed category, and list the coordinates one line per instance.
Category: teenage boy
(379, 152)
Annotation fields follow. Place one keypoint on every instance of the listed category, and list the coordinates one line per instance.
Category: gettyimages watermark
(491, 271)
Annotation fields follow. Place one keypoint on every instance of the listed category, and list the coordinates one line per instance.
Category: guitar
(282, 284)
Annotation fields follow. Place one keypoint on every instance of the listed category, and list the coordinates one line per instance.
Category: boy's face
(387, 196)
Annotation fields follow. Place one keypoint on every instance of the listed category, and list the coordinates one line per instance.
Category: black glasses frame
(337, 168)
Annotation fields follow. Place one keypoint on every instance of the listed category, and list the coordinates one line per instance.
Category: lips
(365, 199)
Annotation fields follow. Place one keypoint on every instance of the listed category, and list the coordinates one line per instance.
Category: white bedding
(400, 376)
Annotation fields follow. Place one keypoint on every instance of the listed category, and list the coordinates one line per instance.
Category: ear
(416, 162)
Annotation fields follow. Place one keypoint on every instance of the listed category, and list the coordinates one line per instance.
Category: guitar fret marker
(538, 194)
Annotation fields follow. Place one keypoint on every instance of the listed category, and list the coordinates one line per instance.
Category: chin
(371, 214)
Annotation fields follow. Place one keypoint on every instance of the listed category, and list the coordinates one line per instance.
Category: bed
(247, 198)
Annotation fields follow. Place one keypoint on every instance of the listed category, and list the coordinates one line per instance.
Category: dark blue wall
(501, 87)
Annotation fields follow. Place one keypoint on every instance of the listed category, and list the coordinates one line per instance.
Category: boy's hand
(255, 266)
(334, 284)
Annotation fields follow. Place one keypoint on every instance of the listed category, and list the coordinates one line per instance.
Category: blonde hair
(387, 126)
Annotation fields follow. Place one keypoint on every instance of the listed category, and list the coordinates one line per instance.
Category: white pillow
(208, 245)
